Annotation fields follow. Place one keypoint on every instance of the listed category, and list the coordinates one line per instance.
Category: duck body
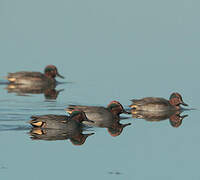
(103, 117)
(97, 114)
(52, 121)
(100, 113)
(35, 78)
(59, 127)
(152, 104)
(30, 78)
(158, 104)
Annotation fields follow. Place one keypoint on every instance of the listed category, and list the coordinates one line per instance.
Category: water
(107, 51)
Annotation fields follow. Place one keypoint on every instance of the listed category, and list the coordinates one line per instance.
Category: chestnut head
(116, 108)
(176, 99)
(51, 71)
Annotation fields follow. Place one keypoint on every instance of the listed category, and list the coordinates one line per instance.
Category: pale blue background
(109, 50)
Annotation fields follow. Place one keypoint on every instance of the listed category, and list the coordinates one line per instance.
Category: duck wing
(149, 100)
(13, 77)
(94, 113)
(86, 109)
(44, 118)
(25, 74)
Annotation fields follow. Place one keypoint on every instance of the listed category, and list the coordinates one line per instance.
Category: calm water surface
(107, 51)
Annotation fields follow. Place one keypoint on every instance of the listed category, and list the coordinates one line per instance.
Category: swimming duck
(174, 117)
(75, 135)
(158, 104)
(52, 121)
(35, 78)
(100, 113)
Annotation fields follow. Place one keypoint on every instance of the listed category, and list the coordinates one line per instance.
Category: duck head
(79, 116)
(176, 99)
(51, 71)
(116, 108)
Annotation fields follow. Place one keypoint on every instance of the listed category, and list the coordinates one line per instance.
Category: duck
(35, 78)
(100, 113)
(52, 121)
(174, 117)
(104, 117)
(75, 135)
(158, 104)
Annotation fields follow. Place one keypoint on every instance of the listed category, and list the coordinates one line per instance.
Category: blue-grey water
(107, 50)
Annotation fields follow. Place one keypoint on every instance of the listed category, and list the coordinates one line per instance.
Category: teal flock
(57, 127)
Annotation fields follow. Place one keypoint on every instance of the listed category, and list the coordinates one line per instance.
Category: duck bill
(184, 104)
(60, 76)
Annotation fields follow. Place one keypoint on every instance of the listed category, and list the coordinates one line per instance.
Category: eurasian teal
(174, 117)
(99, 113)
(75, 135)
(52, 121)
(104, 117)
(35, 78)
(158, 104)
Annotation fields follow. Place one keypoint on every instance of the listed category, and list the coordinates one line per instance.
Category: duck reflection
(74, 135)
(174, 117)
(23, 90)
(113, 126)
(103, 117)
